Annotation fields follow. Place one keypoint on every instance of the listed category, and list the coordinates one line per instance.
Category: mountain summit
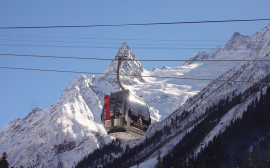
(126, 51)
(130, 74)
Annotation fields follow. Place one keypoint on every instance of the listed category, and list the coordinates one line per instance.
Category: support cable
(149, 60)
(144, 76)
(134, 24)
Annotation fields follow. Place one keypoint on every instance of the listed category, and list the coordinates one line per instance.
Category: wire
(86, 42)
(162, 77)
(29, 45)
(133, 24)
(116, 39)
(108, 47)
(109, 59)
(47, 56)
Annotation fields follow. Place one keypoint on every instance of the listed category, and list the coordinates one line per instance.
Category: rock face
(70, 129)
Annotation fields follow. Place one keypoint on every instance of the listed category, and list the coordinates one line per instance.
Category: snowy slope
(57, 136)
(68, 130)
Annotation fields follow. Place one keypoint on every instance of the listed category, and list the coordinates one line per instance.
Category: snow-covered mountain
(60, 135)
(70, 129)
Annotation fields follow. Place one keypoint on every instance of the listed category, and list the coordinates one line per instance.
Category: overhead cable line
(113, 39)
(162, 77)
(119, 39)
(59, 57)
(150, 60)
(89, 42)
(109, 47)
(134, 24)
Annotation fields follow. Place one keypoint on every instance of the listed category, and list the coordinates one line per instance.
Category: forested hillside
(244, 143)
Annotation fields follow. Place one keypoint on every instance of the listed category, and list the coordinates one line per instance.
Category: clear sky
(21, 91)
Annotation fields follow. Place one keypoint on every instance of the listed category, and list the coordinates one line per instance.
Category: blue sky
(21, 91)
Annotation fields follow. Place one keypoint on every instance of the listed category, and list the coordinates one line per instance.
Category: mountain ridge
(70, 129)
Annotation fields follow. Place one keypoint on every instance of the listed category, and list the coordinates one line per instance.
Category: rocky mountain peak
(235, 34)
(130, 71)
(126, 51)
(154, 68)
(201, 55)
(237, 41)
(253, 43)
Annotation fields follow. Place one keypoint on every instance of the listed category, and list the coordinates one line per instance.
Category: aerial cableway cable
(106, 43)
(145, 76)
(111, 39)
(133, 24)
(149, 60)
(111, 47)
(107, 47)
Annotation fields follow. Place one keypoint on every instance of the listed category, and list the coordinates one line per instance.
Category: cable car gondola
(124, 115)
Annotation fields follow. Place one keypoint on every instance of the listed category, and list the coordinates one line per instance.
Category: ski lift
(124, 115)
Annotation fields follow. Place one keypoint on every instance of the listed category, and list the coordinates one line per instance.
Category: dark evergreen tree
(247, 162)
(202, 163)
(159, 159)
(221, 164)
(138, 164)
(4, 162)
(267, 159)
(257, 158)
(183, 163)
(190, 164)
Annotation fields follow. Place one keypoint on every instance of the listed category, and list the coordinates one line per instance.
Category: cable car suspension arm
(120, 58)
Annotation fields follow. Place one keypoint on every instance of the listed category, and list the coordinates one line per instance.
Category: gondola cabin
(125, 115)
